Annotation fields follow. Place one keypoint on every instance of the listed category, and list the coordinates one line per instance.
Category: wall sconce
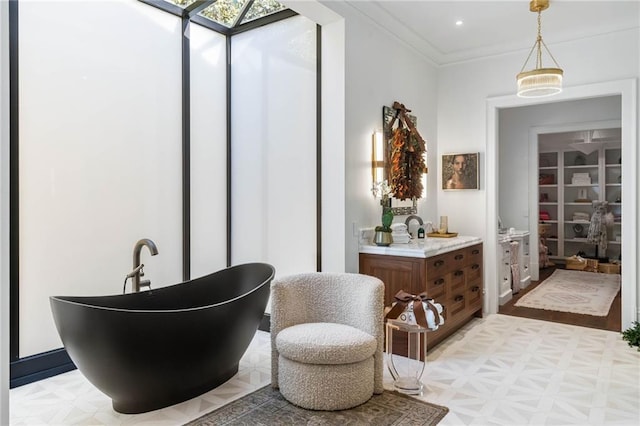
(377, 161)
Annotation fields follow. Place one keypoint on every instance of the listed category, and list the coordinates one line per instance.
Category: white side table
(411, 368)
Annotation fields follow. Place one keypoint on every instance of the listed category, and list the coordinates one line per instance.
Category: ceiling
(607, 137)
(494, 27)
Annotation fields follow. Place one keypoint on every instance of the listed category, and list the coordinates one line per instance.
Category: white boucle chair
(327, 339)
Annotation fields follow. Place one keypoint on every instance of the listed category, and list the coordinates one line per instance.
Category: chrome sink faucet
(410, 218)
(413, 217)
(137, 266)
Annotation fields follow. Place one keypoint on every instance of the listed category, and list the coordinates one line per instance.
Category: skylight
(261, 8)
(225, 12)
(232, 13)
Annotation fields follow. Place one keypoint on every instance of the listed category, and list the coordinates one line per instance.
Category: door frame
(627, 90)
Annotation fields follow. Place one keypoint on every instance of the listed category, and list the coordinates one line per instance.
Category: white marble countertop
(426, 247)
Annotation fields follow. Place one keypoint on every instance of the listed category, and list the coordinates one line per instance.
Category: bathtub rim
(151, 311)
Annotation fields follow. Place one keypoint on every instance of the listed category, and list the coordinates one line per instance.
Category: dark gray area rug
(266, 406)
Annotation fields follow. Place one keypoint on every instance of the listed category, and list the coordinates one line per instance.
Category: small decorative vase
(383, 238)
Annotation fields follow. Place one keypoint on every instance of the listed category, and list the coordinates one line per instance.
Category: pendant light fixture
(539, 81)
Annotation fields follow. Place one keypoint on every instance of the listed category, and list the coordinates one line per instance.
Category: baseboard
(534, 269)
(38, 367)
(265, 324)
(504, 298)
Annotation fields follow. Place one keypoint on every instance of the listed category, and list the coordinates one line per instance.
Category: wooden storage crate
(609, 268)
(582, 264)
(592, 265)
(544, 229)
(575, 263)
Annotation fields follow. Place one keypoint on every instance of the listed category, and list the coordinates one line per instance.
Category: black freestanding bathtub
(156, 348)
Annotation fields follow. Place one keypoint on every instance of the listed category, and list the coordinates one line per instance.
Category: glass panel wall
(208, 151)
(274, 146)
(100, 153)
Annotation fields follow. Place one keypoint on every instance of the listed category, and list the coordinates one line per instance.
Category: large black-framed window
(36, 367)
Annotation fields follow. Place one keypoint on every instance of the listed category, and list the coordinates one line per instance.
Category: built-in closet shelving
(562, 198)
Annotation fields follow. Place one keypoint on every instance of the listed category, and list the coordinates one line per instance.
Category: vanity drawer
(473, 255)
(505, 253)
(456, 303)
(474, 294)
(458, 259)
(439, 265)
(474, 272)
(457, 278)
(436, 287)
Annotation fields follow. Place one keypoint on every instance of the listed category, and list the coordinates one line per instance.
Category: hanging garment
(515, 267)
(543, 254)
(597, 228)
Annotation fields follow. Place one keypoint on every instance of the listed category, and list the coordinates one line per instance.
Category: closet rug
(578, 292)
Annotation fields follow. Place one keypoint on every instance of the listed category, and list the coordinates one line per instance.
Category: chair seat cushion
(325, 343)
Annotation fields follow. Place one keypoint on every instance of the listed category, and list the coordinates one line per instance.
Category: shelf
(614, 242)
(584, 166)
(569, 195)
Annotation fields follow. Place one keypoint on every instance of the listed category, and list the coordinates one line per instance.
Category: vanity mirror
(405, 158)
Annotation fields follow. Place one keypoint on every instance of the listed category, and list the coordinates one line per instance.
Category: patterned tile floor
(499, 370)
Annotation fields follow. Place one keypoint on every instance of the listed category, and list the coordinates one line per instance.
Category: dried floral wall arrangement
(405, 152)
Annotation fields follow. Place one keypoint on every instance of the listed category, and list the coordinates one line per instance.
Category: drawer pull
(459, 257)
(458, 273)
(439, 281)
(459, 298)
(438, 263)
(475, 288)
(476, 251)
(475, 266)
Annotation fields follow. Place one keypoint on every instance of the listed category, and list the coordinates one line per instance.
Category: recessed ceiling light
(459, 23)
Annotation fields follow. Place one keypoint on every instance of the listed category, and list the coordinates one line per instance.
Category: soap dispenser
(421, 232)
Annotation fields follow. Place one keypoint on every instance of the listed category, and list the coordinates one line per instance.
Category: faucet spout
(137, 266)
(412, 217)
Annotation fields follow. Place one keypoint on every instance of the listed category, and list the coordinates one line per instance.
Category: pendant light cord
(539, 43)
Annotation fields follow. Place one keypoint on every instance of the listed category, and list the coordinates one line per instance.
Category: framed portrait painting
(460, 171)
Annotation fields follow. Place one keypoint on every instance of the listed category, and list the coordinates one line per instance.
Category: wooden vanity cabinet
(453, 279)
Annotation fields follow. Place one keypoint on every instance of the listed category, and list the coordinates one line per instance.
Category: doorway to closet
(563, 154)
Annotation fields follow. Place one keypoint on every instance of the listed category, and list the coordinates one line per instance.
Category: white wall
(463, 94)
(515, 124)
(273, 128)
(379, 70)
(4, 213)
(464, 88)
(100, 153)
(208, 151)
